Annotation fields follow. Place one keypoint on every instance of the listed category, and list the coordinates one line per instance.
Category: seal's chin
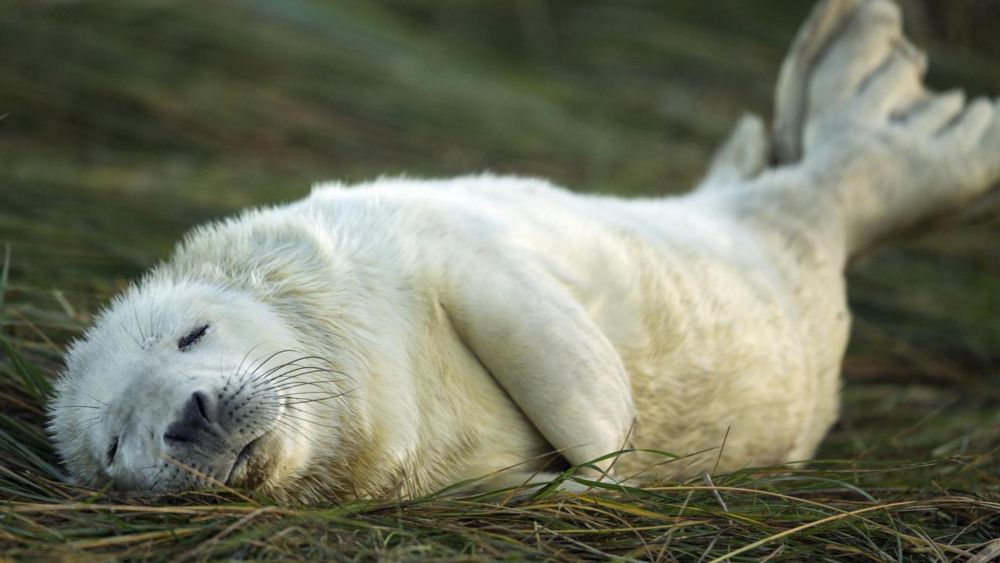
(254, 464)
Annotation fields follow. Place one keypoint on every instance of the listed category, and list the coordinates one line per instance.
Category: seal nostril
(196, 419)
(201, 401)
(178, 437)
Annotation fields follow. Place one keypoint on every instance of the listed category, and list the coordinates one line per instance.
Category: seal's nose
(196, 420)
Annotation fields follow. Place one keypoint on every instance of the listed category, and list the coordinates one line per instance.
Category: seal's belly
(709, 350)
(718, 346)
(718, 343)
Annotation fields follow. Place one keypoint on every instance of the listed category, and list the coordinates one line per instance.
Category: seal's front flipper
(546, 353)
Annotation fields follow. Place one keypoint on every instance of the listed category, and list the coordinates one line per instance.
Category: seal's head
(184, 385)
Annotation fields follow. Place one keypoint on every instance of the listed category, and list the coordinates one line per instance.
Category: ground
(124, 124)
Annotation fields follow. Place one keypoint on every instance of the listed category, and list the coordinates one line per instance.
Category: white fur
(477, 323)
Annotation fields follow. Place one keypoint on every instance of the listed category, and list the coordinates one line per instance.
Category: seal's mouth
(243, 459)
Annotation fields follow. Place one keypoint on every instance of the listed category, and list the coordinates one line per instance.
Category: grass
(123, 125)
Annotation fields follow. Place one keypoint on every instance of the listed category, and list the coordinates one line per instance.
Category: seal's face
(183, 386)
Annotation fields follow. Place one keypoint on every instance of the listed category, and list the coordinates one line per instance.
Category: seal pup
(399, 336)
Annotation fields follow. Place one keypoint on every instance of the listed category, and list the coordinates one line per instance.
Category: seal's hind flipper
(742, 157)
(791, 102)
(877, 145)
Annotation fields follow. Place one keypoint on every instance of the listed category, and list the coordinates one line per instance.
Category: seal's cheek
(260, 463)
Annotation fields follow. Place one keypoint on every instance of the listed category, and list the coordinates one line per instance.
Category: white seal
(403, 335)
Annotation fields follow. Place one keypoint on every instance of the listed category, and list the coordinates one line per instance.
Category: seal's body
(403, 335)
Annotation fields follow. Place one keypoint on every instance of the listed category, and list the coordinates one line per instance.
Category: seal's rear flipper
(879, 151)
(742, 157)
(791, 100)
(747, 150)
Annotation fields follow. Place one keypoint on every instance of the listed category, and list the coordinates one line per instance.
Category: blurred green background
(122, 124)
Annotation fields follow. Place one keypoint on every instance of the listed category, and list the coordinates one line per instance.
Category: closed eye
(112, 450)
(194, 336)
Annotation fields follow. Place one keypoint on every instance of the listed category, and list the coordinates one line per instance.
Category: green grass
(124, 124)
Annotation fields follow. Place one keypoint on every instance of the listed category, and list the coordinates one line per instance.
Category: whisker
(246, 379)
(292, 362)
(239, 368)
(93, 399)
(296, 371)
(307, 392)
(297, 384)
(92, 425)
(290, 383)
(302, 419)
(302, 401)
(256, 366)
